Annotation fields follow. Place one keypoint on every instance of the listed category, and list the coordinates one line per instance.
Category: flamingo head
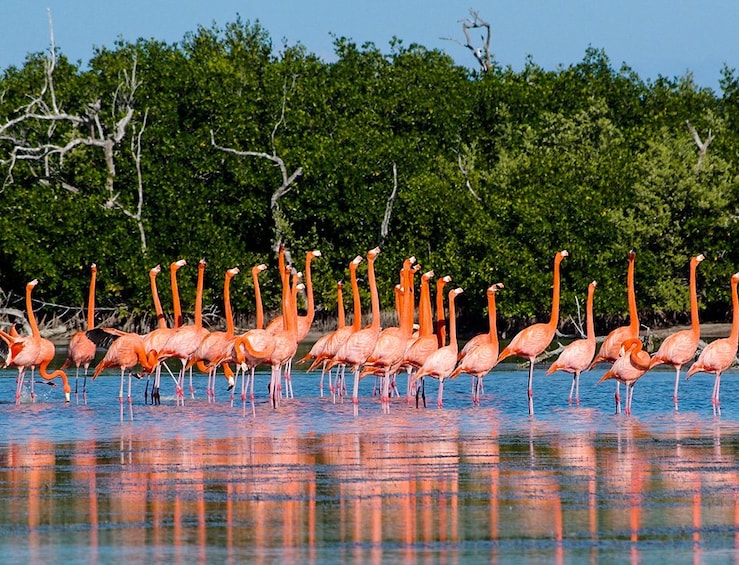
(154, 271)
(428, 275)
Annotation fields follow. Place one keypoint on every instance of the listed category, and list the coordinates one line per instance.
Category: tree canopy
(221, 146)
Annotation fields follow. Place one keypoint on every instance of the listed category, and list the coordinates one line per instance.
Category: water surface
(313, 481)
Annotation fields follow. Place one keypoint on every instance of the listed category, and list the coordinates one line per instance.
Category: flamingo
(440, 364)
(359, 345)
(157, 338)
(720, 354)
(304, 322)
(340, 335)
(217, 346)
(611, 346)
(427, 342)
(392, 342)
(125, 351)
(256, 345)
(32, 351)
(322, 342)
(481, 358)
(484, 360)
(680, 347)
(483, 337)
(285, 341)
(533, 340)
(185, 340)
(576, 357)
(81, 350)
(631, 364)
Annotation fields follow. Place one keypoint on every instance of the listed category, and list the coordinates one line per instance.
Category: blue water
(312, 480)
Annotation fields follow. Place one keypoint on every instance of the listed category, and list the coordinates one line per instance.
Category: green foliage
(495, 174)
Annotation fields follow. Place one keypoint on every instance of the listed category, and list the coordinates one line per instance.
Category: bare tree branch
(288, 180)
(465, 165)
(481, 53)
(702, 145)
(389, 205)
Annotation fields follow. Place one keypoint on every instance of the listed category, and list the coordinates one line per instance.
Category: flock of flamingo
(419, 349)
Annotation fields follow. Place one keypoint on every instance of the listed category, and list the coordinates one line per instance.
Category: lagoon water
(312, 481)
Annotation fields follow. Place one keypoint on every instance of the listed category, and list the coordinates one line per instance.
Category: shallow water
(313, 481)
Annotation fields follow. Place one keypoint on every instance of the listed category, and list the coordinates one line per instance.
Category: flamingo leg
(531, 387)
(677, 384)
(84, 385)
(440, 399)
(617, 396)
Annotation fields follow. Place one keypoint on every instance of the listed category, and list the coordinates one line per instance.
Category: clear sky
(653, 37)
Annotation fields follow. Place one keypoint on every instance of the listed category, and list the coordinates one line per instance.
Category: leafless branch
(702, 145)
(482, 52)
(288, 180)
(465, 164)
(389, 205)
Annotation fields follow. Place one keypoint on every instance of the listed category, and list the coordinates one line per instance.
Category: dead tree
(63, 132)
(480, 52)
(385, 227)
(281, 223)
(702, 145)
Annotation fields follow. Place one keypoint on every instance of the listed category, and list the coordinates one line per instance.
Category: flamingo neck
(424, 307)
(161, 322)
(734, 335)
(357, 322)
(199, 296)
(590, 324)
(554, 319)
(340, 305)
(631, 294)
(175, 296)
(258, 299)
(374, 295)
(310, 305)
(406, 322)
(440, 319)
(694, 321)
(452, 321)
(31, 316)
(91, 301)
(227, 306)
(492, 320)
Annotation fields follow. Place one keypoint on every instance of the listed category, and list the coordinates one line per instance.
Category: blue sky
(654, 37)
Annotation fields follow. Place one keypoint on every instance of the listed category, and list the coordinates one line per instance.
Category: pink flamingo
(440, 364)
(319, 347)
(359, 345)
(611, 346)
(157, 338)
(125, 352)
(391, 344)
(81, 350)
(256, 345)
(720, 354)
(532, 341)
(217, 346)
(483, 337)
(576, 357)
(680, 347)
(481, 358)
(340, 335)
(286, 343)
(184, 342)
(427, 342)
(304, 322)
(32, 351)
(631, 364)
